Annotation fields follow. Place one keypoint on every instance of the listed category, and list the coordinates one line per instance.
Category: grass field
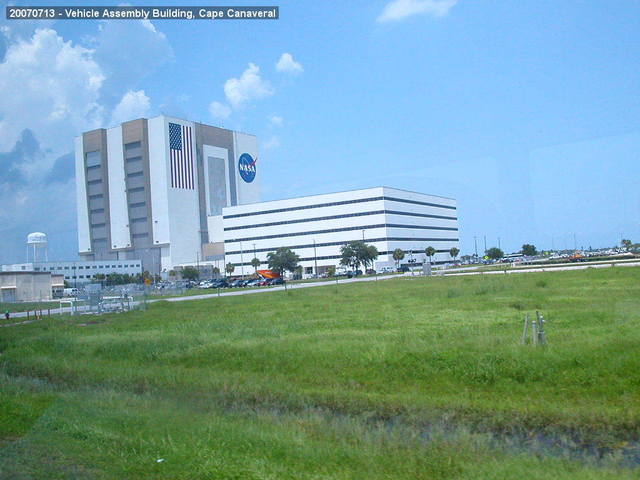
(27, 306)
(404, 378)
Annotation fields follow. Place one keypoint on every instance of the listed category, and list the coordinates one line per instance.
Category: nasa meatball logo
(247, 167)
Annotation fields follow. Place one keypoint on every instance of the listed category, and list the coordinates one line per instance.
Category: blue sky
(528, 113)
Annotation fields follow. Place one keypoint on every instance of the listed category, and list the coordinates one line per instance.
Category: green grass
(404, 378)
(27, 306)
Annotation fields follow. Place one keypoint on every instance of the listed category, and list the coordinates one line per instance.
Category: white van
(70, 292)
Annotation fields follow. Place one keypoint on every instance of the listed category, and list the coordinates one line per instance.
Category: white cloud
(219, 110)
(128, 51)
(287, 64)
(51, 87)
(248, 87)
(400, 9)
(133, 105)
(275, 120)
(273, 142)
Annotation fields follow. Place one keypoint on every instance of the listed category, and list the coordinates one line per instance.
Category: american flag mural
(180, 151)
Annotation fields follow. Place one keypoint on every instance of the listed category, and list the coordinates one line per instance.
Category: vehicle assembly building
(154, 189)
(171, 192)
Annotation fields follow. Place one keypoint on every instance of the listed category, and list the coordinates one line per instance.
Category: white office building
(153, 190)
(315, 227)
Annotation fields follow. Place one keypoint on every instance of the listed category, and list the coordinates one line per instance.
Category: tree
(354, 254)
(215, 271)
(454, 252)
(255, 263)
(369, 254)
(229, 268)
(494, 253)
(349, 256)
(430, 252)
(190, 273)
(283, 259)
(398, 255)
(529, 250)
(626, 243)
(331, 271)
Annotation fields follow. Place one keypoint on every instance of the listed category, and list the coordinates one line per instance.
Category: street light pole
(241, 261)
(475, 245)
(315, 256)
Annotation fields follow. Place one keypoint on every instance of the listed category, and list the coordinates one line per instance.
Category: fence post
(525, 331)
(541, 336)
(534, 331)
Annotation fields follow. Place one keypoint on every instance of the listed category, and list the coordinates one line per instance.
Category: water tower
(38, 242)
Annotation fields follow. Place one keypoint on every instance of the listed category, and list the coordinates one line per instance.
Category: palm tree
(255, 263)
(430, 252)
(398, 254)
(229, 268)
(454, 252)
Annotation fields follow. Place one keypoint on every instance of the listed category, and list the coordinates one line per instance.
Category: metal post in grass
(534, 332)
(525, 331)
(542, 340)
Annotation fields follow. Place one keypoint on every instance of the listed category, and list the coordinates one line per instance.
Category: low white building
(315, 227)
(29, 286)
(79, 272)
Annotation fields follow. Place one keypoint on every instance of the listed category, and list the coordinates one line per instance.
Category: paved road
(342, 281)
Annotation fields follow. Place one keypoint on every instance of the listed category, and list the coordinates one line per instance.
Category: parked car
(403, 269)
(220, 283)
(253, 283)
(236, 283)
(370, 271)
(276, 281)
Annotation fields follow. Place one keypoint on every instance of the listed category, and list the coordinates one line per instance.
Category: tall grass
(428, 351)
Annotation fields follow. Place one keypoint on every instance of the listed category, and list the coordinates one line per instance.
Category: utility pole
(241, 261)
(499, 243)
(315, 257)
(362, 236)
(575, 244)
(485, 244)
(475, 245)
